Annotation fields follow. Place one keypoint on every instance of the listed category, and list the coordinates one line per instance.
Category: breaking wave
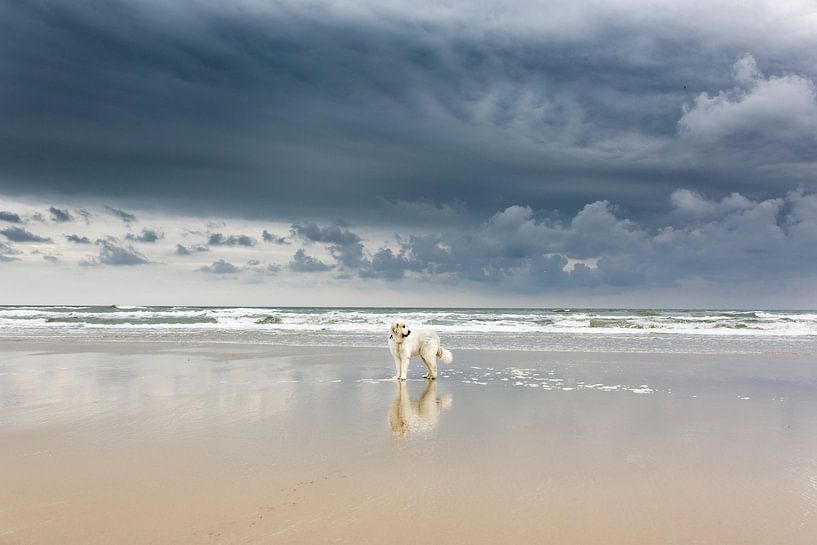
(540, 328)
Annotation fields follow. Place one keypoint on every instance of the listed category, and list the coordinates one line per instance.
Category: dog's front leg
(404, 363)
(397, 367)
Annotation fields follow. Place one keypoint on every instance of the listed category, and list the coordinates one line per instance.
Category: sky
(480, 153)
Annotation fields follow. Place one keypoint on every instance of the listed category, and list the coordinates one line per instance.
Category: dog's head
(399, 330)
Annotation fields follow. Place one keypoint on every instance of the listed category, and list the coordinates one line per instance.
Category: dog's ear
(394, 327)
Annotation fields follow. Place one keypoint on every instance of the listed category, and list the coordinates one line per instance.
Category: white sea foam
(602, 330)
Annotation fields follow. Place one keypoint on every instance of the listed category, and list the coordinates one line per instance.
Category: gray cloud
(733, 239)
(10, 217)
(462, 111)
(76, 239)
(303, 263)
(111, 253)
(385, 264)
(127, 217)
(189, 250)
(51, 258)
(344, 245)
(220, 267)
(270, 237)
(258, 267)
(217, 239)
(18, 234)
(147, 235)
(60, 216)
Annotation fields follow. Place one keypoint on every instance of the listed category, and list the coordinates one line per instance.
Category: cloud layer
(730, 242)
(287, 110)
(515, 148)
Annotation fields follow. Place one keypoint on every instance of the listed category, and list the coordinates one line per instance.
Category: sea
(535, 329)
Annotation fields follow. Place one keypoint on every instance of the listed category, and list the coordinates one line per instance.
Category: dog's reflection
(408, 416)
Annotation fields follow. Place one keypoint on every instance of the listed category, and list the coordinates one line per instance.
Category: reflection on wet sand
(408, 416)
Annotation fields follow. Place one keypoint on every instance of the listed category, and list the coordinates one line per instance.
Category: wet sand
(143, 442)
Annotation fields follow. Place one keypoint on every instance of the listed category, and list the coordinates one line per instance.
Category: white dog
(405, 343)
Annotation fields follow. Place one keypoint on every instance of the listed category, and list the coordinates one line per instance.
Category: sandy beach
(134, 443)
(223, 224)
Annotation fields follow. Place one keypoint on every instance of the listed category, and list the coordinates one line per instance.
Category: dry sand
(126, 443)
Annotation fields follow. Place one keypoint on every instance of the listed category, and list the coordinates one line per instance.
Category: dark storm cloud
(307, 110)
(111, 253)
(147, 235)
(127, 217)
(10, 217)
(217, 239)
(270, 237)
(190, 250)
(303, 263)
(60, 216)
(76, 239)
(18, 234)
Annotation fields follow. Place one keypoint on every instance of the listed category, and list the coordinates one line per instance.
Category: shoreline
(165, 339)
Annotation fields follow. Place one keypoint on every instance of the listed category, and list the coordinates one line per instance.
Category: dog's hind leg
(430, 359)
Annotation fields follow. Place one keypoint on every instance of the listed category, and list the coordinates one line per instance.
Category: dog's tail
(445, 355)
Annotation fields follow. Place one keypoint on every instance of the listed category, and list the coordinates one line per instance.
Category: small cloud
(220, 267)
(304, 263)
(188, 250)
(148, 235)
(18, 234)
(76, 239)
(7, 252)
(38, 217)
(345, 246)
(51, 258)
(275, 239)
(217, 239)
(11, 217)
(60, 216)
(225, 267)
(256, 266)
(112, 254)
(127, 217)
